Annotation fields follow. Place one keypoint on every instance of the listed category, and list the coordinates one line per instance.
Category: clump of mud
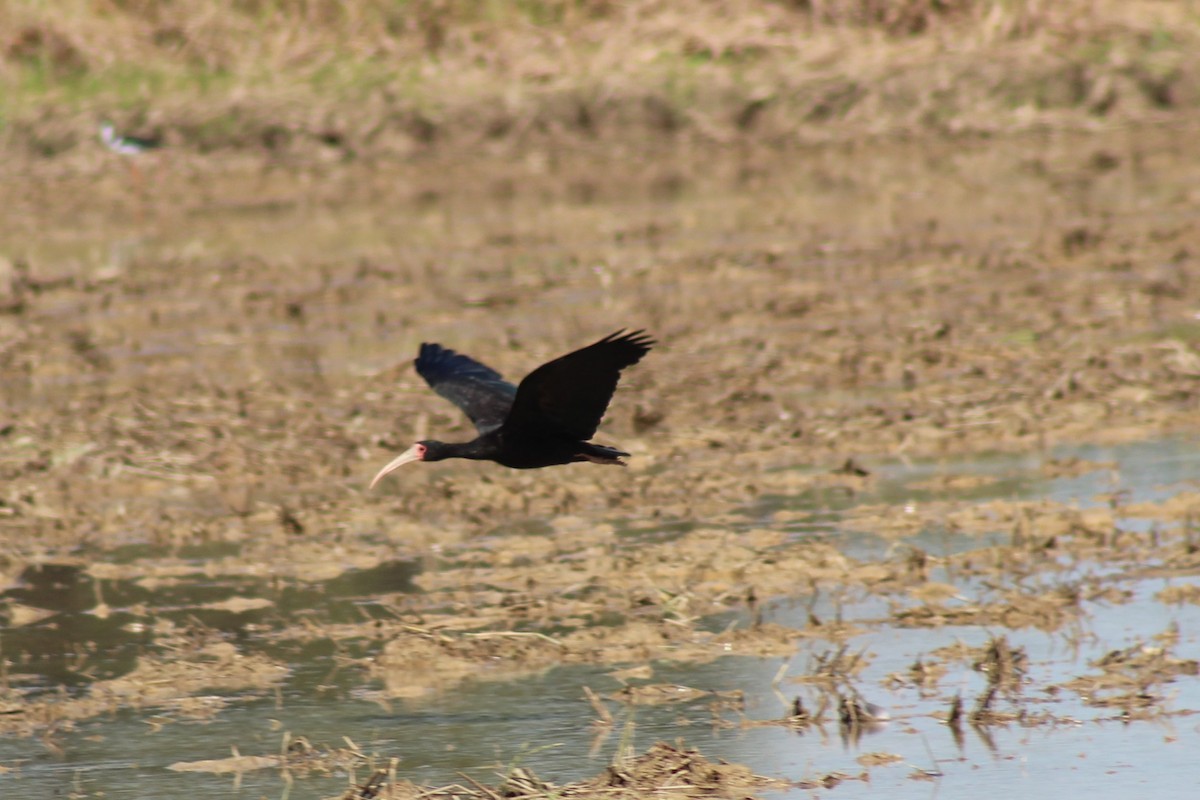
(169, 684)
(671, 769)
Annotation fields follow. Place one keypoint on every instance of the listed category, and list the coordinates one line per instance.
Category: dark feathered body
(523, 454)
(546, 420)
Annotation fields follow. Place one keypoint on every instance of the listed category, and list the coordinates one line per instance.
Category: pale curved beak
(413, 453)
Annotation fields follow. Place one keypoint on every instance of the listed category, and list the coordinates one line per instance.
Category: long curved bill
(411, 454)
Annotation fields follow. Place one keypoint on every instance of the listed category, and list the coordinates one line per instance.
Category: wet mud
(200, 379)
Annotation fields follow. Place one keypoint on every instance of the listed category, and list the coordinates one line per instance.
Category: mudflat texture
(865, 239)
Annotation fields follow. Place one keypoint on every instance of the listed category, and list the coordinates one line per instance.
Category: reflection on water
(543, 721)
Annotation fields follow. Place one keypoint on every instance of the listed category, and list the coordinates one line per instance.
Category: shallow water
(541, 722)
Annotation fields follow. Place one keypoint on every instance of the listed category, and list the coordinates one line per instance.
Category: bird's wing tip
(638, 337)
(432, 353)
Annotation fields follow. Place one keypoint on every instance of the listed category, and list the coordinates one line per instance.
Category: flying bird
(546, 420)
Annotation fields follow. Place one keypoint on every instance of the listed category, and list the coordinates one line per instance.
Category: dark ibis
(546, 420)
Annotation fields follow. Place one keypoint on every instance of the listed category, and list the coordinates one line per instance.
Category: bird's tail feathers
(600, 454)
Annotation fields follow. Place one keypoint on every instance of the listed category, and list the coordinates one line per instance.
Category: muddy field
(203, 368)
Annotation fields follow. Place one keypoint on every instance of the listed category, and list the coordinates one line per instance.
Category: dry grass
(375, 76)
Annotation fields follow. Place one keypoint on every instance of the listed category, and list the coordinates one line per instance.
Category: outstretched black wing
(569, 395)
(477, 389)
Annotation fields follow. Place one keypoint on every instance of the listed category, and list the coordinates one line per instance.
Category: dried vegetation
(326, 78)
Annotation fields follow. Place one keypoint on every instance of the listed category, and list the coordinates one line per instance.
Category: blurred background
(923, 276)
(313, 78)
